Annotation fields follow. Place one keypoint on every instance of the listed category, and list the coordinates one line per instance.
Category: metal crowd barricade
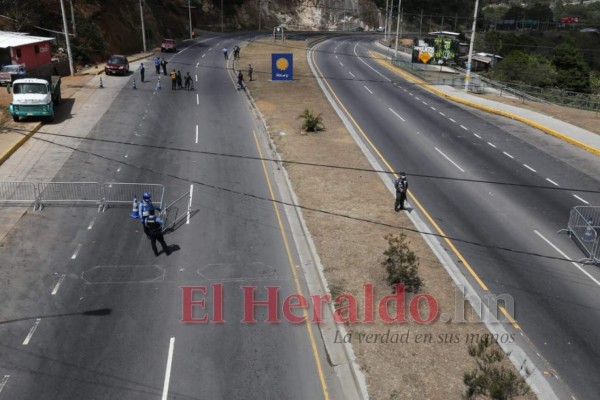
(121, 194)
(19, 193)
(176, 212)
(583, 228)
(69, 193)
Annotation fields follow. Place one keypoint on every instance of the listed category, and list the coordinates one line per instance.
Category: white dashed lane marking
(91, 225)
(3, 382)
(449, 159)
(60, 281)
(491, 144)
(507, 155)
(529, 168)
(552, 182)
(580, 199)
(74, 256)
(396, 114)
(464, 127)
(477, 135)
(31, 332)
(368, 90)
(351, 74)
(452, 120)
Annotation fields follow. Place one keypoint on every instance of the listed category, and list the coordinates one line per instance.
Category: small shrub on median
(401, 263)
(311, 122)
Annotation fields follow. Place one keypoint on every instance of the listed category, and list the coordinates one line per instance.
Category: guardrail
(176, 212)
(583, 228)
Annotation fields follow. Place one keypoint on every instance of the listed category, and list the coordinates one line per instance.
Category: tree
(572, 71)
(530, 69)
(401, 263)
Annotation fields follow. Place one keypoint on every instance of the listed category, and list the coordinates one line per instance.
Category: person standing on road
(144, 209)
(401, 185)
(142, 71)
(179, 80)
(240, 78)
(187, 81)
(157, 65)
(250, 70)
(155, 225)
(225, 53)
(164, 63)
(173, 80)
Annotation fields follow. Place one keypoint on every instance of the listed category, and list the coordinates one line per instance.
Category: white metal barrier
(69, 193)
(122, 193)
(19, 193)
(176, 212)
(583, 228)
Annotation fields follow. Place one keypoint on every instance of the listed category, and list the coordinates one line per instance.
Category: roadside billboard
(435, 51)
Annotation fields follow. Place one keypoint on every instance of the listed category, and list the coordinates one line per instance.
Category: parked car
(7, 71)
(168, 45)
(117, 65)
(360, 29)
(380, 29)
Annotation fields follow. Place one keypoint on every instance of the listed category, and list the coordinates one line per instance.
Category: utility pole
(222, 16)
(258, 16)
(143, 28)
(190, 16)
(421, 24)
(69, 54)
(397, 28)
(73, 18)
(386, 20)
(470, 58)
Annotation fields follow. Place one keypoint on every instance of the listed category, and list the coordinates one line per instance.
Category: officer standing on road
(142, 71)
(164, 63)
(144, 209)
(157, 65)
(187, 81)
(250, 70)
(225, 53)
(154, 226)
(240, 79)
(401, 185)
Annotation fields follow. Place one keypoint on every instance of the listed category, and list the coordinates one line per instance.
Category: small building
(20, 48)
(482, 61)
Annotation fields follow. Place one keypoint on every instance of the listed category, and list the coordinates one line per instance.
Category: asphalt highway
(90, 313)
(517, 197)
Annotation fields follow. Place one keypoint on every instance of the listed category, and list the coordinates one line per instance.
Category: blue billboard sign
(282, 67)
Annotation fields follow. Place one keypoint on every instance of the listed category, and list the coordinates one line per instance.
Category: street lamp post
(470, 58)
(69, 54)
(259, 21)
(386, 20)
(143, 27)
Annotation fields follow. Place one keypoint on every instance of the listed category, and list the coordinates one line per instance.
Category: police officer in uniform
(154, 226)
(144, 209)
(401, 185)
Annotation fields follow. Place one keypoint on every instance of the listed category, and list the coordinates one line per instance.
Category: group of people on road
(179, 82)
(160, 64)
(236, 52)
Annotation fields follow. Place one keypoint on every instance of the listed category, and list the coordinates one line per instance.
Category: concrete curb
(490, 110)
(19, 143)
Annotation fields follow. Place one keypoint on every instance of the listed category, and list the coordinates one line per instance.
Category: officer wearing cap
(401, 185)
(144, 209)
(154, 225)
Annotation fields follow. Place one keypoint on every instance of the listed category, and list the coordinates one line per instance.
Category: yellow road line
(509, 317)
(294, 274)
(423, 210)
(490, 110)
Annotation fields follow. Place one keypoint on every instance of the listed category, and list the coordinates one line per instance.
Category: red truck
(168, 45)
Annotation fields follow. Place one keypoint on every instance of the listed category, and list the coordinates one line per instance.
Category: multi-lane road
(88, 311)
(492, 184)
